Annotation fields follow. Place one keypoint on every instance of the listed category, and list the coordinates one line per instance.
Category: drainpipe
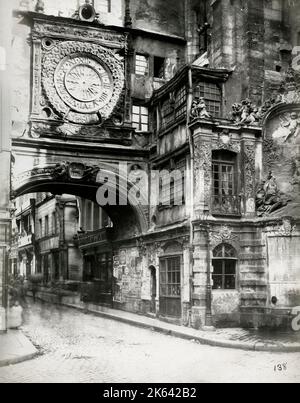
(192, 157)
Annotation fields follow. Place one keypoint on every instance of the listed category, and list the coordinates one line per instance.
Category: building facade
(205, 91)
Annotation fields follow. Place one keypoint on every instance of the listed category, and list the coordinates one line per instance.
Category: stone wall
(128, 278)
(284, 270)
(163, 16)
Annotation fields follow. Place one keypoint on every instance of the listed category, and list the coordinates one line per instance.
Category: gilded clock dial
(83, 84)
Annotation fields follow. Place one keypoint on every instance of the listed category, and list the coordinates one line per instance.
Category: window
(212, 95)
(46, 226)
(224, 264)
(180, 103)
(141, 65)
(159, 67)
(174, 107)
(41, 227)
(172, 184)
(54, 223)
(225, 193)
(167, 113)
(140, 118)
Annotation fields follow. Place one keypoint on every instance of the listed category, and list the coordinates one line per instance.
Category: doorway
(170, 287)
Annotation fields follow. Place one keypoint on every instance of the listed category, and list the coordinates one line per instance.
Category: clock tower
(79, 75)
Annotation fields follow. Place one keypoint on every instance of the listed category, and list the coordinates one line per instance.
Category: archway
(130, 219)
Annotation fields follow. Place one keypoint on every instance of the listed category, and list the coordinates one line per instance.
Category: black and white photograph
(149, 194)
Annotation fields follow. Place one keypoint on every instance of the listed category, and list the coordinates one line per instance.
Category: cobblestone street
(78, 348)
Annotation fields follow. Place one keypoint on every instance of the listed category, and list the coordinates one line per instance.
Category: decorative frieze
(221, 235)
(287, 229)
(65, 31)
(226, 142)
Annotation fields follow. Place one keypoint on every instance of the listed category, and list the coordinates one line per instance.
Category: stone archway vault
(33, 173)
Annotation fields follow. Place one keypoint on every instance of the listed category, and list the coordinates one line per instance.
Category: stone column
(186, 284)
(5, 148)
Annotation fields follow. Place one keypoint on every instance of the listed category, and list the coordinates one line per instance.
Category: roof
(205, 73)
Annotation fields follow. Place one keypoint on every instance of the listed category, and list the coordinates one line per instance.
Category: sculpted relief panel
(282, 150)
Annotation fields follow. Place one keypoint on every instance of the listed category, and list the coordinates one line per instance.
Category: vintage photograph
(149, 193)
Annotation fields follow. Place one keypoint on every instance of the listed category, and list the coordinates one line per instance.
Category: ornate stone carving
(75, 171)
(225, 142)
(289, 130)
(268, 197)
(203, 162)
(296, 172)
(247, 113)
(223, 235)
(199, 109)
(286, 229)
(41, 129)
(249, 167)
(291, 87)
(63, 171)
(70, 31)
(82, 81)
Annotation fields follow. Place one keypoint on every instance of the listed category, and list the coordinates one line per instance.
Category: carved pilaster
(203, 168)
(37, 75)
(249, 152)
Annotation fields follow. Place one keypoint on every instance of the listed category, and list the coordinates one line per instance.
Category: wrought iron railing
(226, 205)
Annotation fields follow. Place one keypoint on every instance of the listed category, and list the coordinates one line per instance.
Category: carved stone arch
(62, 178)
(234, 244)
(224, 235)
(172, 246)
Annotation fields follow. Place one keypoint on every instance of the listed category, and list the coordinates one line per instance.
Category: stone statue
(245, 113)
(268, 197)
(199, 109)
(40, 6)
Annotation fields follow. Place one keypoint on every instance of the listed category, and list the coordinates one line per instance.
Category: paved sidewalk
(15, 348)
(229, 338)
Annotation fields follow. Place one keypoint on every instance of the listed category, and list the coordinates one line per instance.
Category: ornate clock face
(83, 84)
(82, 81)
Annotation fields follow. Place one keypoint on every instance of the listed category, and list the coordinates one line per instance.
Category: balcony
(25, 240)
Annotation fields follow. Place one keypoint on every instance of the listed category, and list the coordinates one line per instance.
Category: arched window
(224, 264)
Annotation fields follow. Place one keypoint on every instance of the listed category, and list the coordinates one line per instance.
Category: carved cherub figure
(202, 109)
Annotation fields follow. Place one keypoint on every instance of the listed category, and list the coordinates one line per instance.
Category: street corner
(15, 348)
